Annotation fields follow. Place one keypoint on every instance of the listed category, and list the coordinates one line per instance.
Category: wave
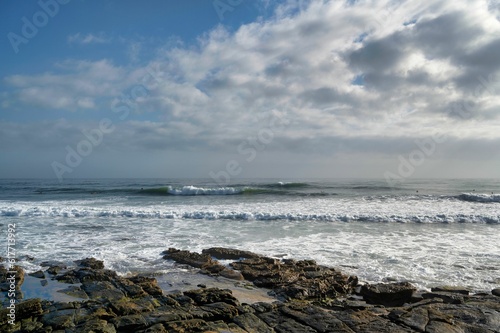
(473, 197)
(81, 212)
(193, 190)
(280, 188)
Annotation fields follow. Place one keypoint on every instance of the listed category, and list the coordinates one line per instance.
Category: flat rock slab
(388, 294)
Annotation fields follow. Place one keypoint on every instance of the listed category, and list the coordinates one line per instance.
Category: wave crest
(473, 197)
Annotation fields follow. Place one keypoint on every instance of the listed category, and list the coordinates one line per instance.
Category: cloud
(425, 68)
(89, 38)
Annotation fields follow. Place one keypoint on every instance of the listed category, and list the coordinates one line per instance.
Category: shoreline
(252, 294)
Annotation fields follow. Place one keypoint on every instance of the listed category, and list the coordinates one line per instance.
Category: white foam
(478, 197)
(193, 190)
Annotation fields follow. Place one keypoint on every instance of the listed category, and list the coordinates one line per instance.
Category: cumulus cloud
(80, 38)
(363, 76)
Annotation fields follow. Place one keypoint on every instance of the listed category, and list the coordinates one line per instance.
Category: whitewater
(428, 232)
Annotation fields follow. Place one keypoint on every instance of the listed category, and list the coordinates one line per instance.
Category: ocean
(427, 232)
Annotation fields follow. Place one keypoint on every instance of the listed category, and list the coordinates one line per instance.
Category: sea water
(428, 232)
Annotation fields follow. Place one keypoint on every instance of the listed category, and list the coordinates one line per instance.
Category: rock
(90, 263)
(14, 274)
(60, 319)
(102, 290)
(38, 274)
(137, 304)
(496, 292)
(252, 324)
(231, 274)
(211, 295)
(295, 279)
(148, 284)
(450, 298)
(226, 253)
(130, 323)
(43, 283)
(96, 326)
(201, 285)
(390, 294)
(55, 269)
(74, 291)
(203, 261)
(451, 289)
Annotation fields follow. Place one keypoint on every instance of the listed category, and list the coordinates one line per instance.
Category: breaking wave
(81, 212)
(473, 197)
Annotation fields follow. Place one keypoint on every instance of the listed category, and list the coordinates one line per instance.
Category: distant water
(428, 232)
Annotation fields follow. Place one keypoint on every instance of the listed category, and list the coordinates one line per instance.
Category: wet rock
(451, 289)
(54, 268)
(252, 324)
(295, 279)
(38, 274)
(148, 284)
(212, 295)
(102, 290)
(496, 292)
(74, 291)
(90, 263)
(131, 323)
(96, 326)
(7, 276)
(203, 261)
(226, 253)
(450, 298)
(390, 294)
(231, 274)
(59, 319)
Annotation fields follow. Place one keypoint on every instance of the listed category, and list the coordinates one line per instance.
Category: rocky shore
(307, 297)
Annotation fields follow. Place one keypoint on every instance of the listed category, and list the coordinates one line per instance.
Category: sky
(228, 89)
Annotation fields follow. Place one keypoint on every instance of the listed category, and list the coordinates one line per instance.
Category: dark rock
(96, 326)
(203, 261)
(61, 319)
(158, 328)
(252, 324)
(190, 325)
(130, 323)
(102, 290)
(450, 298)
(225, 253)
(496, 292)
(451, 289)
(290, 279)
(89, 274)
(38, 274)
(390, 294)
(231, 274)
(211, 295)
(6, 276)
(90, 263)
(148, 284)
(201, 285)
(74, 291)
(44, 283)
(55, 269)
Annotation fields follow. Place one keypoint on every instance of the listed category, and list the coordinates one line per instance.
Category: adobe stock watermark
(31, 26)
(249, 148)
(223, 6)
(11, 273)
(427, 147)
(94, 137)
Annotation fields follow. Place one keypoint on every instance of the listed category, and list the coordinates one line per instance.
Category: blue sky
(239, 88)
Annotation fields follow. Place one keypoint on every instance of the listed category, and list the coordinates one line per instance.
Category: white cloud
(89, 38)
(421, 66)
